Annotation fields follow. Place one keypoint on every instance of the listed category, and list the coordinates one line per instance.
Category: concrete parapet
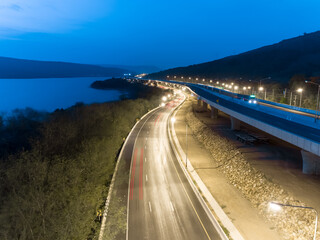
(235, 123)
(311, 163)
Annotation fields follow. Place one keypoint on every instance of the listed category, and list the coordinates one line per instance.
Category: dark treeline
(55, 177)
(133, 89)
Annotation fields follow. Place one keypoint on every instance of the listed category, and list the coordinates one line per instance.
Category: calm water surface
(51, 93)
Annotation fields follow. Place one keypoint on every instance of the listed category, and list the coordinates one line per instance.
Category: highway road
(161, 202)
(284, 124)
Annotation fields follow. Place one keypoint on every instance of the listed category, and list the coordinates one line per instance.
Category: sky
(166, 33)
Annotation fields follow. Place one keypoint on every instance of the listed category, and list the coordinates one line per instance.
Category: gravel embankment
(292, 223)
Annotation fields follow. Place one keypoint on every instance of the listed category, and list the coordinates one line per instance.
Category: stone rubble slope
(292, 223)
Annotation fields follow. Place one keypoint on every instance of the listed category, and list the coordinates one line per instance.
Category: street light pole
(300, 90)
(317, 105)
(186, 146)
(276, 207)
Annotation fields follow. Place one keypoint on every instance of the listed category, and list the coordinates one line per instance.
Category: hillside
(135, 69)
(299, 55)
(20, 68)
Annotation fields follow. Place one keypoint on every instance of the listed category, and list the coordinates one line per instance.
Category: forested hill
(299, 55)
(20, 68)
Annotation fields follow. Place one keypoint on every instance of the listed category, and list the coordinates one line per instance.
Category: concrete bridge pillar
(204, 106)
(311, 163)
(214, 112)
(235, 123)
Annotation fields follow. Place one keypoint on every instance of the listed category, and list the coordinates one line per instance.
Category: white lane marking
(171, 206)
(150, 207)
(146, 139)
(145, 146)
(145, 159)
(146, 177)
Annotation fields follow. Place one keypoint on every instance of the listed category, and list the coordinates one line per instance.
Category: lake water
(51, 93)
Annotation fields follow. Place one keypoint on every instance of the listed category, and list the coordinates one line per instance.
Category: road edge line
(106, 206)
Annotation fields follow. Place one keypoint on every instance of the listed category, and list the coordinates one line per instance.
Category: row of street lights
(261, 89)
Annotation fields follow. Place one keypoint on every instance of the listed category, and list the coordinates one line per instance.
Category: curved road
(161, 202)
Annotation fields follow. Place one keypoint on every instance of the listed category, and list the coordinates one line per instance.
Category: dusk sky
(163, 33)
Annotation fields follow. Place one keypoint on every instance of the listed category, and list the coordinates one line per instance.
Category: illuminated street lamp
(317, 105)
(300, 90)
(236, 88)
(276, 207)
(197, 79)
(203, 80)
(222, 84)
(218, 82)
(175, 77)
(173, 119)
(265, 92)
(164, 98)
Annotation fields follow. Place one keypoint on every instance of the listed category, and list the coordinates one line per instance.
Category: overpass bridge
(295, 127)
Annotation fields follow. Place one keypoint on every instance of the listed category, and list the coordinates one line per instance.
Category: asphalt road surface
(161, 202)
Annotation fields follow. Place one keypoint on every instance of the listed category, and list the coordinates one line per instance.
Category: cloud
(49, 16)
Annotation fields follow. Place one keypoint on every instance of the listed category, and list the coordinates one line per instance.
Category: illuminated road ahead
(162, 204)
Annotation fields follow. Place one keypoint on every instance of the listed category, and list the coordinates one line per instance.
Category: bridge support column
(214, 112)
(199, 103)
(311, 163)
(204, 106)
(235, 123)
